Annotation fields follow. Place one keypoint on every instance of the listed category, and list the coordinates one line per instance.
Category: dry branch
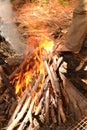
(28, 116)
(61, 114)
(53, 114)
(20, 114)
(20, 103)
(56, 87)
(57, 62)
(37, 101)
(53, 101)
(47, 100)
(6, 82)
(39, 107)
(25, 105)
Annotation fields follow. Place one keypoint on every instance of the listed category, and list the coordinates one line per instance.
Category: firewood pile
(49, 96)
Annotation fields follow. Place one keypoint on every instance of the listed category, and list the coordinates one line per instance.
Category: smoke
(8, 29)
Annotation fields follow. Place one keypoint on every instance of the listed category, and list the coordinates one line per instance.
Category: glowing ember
(32, 67)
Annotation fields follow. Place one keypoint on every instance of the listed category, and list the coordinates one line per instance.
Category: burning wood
(43, 97)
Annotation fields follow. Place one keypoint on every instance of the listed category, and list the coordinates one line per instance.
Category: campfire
(44, 95)
(33, 66)
(36, 92)
(38, 88)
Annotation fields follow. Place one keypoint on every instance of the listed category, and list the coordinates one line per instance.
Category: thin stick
(53, 115)
(53, 101)
(61, 114)
(42, 115)
(29, 113)
(20, 103)
(55, 79)
(57, 62)
(47, 105)
(20, 114)
(38, 82)
(55, 88)
(28, 116)
(39, 107)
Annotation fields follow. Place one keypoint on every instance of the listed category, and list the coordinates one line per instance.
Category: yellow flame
(47, 45)
(25, 77)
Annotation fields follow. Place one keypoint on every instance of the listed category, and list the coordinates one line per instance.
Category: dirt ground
(47, 20)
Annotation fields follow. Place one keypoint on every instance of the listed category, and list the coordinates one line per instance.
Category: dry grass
(41, 19)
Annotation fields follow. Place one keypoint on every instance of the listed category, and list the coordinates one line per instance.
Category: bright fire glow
(47, 45)
(32, 66)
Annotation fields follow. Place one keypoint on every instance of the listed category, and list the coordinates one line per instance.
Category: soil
(44, 20)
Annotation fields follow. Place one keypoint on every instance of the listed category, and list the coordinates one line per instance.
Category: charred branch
(7, 82)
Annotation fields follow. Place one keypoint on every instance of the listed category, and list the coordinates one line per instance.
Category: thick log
(78, 103)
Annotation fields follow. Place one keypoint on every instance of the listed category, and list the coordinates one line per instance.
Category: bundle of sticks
(50, 102)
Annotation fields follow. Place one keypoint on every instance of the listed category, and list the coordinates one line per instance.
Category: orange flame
(47, 45)
(32, 67)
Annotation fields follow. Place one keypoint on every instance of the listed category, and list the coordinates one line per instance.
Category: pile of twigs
(50, 102)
